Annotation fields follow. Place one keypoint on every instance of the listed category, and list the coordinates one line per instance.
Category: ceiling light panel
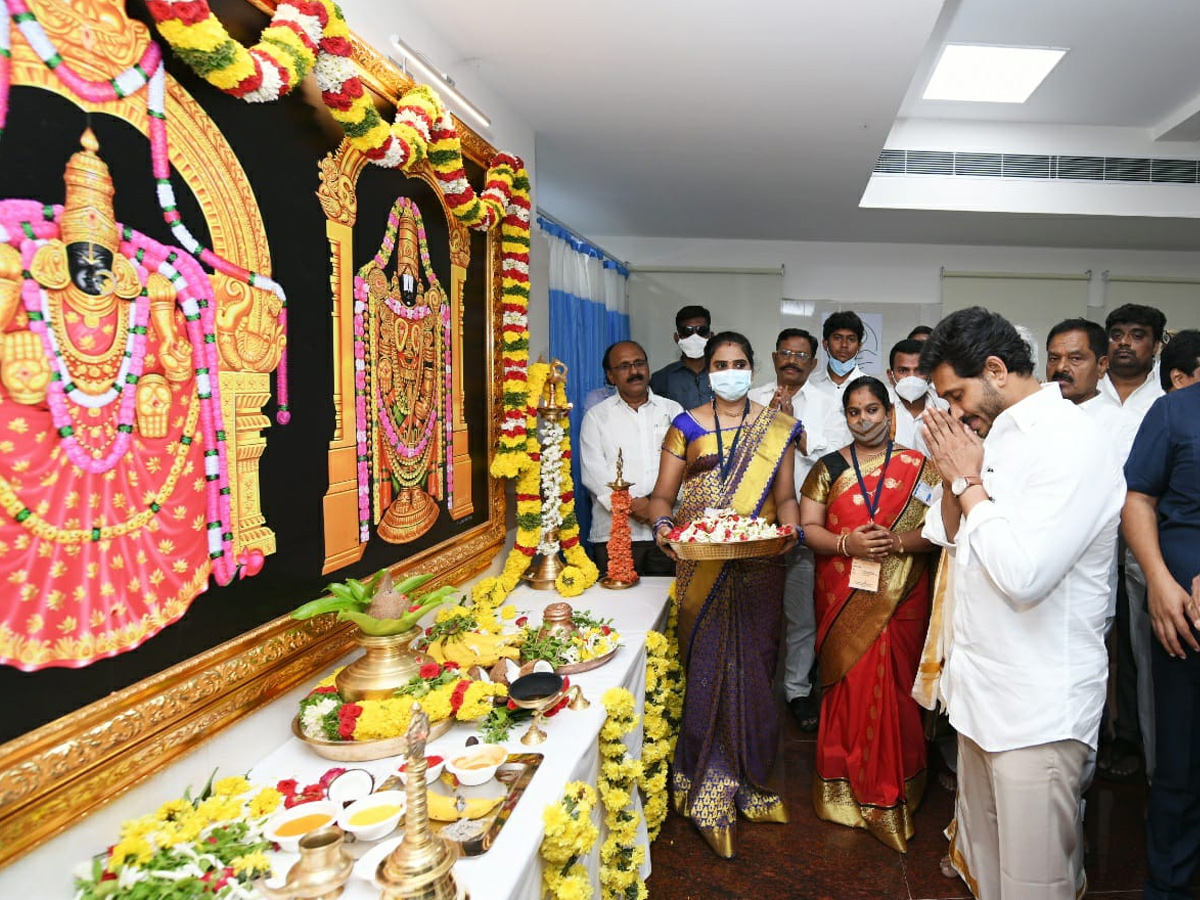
(988, 74)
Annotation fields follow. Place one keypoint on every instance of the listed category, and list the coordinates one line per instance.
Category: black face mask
(90, 266)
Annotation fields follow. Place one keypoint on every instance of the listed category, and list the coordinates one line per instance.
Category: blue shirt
(687, 388)
(1165, 463)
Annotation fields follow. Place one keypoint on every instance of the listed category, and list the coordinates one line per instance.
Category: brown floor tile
(808, 859)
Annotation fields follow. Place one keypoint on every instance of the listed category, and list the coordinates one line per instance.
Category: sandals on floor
(1121, 761)
(806, 711)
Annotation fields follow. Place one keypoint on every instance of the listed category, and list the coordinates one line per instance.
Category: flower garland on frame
(580, 572)
(312, 35)
(620, 855)
(663, 713)
(570, 834)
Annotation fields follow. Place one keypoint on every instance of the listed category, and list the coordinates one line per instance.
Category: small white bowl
(369, 862)
(299, 821)
(372, 828)
(432, 770)
(490, 756)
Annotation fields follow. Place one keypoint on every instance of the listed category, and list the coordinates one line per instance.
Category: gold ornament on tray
(420, 866)
(322, 872)
(548, 562)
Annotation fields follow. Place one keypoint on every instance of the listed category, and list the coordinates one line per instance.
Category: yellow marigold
(140, 827)
(477, 701)
(383, 718)
(508, 612)
(437, 703)
(231, 786)
(251, 864)
(133, 848)
(265, 802)
(219, 809)
(174, 809)
(445, 613)
(569, 582)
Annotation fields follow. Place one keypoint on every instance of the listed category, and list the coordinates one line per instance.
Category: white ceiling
(764, 121)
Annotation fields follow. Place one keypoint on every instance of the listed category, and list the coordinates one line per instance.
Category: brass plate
(515, 773)
(588, 665)
(362, 751)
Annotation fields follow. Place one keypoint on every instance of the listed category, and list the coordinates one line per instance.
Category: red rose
(558, 706)
(287, 786)
(430, 670)
(460, 690)
(336, 46)
(189, 12)
(328, 777)
(323, 689)
(451, 664)
(521, 621)
(605, 630)
(512, 705)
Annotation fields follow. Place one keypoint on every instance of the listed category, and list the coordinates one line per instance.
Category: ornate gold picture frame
(52, 777)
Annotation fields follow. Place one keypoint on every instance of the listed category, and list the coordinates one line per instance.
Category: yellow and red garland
(312, 35)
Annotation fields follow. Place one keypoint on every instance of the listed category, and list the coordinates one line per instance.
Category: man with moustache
(686, 380)
(1161, 522)
(842, 337)
(1077, 358)
(912, 392)
(1030, 520)
(633, 421)
(1134, 339)
(795, 357)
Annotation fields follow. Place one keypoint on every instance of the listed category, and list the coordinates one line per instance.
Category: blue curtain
(587, 313)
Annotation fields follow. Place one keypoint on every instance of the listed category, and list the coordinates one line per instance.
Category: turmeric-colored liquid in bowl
(373, 815)
(302, 825)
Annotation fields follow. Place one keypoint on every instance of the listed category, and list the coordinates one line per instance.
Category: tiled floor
(808, 859)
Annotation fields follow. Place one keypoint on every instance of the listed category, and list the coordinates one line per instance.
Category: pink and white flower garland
(25, 223)
(551, 460)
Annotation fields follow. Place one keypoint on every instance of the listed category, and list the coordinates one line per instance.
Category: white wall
(851, 274)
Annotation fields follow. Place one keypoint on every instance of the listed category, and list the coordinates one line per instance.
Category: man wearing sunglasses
(686, 380)
(795, 357)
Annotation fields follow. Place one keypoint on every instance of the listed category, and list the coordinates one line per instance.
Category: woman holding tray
(729, 454)
(862, 508)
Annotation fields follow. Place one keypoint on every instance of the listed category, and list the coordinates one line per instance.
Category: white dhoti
(1017, 832)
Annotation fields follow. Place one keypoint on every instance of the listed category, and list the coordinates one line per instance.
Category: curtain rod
(575, 231)
(708, 270)
(1036, 276)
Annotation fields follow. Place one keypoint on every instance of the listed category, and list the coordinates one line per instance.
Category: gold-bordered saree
(729, 622)
(870, 761)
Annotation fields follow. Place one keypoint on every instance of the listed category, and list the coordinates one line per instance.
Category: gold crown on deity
(88, 211)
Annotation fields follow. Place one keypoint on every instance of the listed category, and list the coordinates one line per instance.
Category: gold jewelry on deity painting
(26, 371)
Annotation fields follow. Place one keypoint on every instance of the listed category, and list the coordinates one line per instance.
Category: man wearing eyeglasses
(686, 380)
(634, 422)
(795, 357)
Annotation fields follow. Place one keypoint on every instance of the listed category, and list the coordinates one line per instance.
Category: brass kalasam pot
(388, 663)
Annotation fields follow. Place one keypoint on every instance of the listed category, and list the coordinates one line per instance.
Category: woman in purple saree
(734, 455)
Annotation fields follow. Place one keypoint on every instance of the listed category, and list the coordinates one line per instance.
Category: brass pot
(388, 663)
(322, 872)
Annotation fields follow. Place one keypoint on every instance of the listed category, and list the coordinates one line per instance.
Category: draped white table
(511, 868)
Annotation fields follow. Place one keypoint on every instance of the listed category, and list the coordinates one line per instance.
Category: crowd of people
(975, 538)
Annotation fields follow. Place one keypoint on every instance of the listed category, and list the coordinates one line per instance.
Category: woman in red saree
(862, 509)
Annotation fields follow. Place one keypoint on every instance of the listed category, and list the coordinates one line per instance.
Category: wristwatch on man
(959, 485)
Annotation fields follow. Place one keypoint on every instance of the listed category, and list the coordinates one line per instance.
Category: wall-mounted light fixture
(410, 59)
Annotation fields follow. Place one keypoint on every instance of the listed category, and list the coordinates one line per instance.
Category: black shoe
(806, 711)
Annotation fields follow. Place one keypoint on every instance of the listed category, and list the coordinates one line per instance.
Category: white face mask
(693, 346)
(730, 384)
(912, 388)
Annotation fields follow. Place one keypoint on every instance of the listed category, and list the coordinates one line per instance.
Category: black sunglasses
(687, 330)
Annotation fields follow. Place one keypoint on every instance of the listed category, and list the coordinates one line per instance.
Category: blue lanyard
(726, 464)
(872, 504)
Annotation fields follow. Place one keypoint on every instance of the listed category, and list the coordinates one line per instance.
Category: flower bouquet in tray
(724, 534)
(571, 640)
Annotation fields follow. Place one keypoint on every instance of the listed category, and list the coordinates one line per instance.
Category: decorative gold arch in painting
(101, 41)
(412, 512)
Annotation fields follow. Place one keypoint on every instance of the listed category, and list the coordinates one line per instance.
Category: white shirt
(1027, 663)
(822, 382)
(908, 428)
(1135, 407)
(613, 425)
(814, 409)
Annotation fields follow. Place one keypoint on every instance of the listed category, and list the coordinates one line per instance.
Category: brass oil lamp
(544, 567)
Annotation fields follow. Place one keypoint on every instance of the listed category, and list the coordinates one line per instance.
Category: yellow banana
(445, 809)
(475, 649)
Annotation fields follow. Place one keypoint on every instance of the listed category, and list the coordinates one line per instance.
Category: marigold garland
(663, 713)
(621, 857)
(570, 834)
(620, 548)
(312, 35)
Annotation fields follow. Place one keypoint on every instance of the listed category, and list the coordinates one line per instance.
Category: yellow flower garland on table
(491, 592)
(570, 834)
(663, 717)
(620, 856)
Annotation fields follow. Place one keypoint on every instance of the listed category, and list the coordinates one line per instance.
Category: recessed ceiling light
(989, 74)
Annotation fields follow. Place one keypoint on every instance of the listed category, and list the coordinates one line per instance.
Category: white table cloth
(511, 868)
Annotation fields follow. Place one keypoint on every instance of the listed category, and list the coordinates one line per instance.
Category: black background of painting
(278, 145)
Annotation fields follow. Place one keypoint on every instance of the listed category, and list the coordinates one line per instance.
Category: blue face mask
(730, 384)
(839, 368)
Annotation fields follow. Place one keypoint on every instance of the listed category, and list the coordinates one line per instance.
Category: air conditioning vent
(1145, 170)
